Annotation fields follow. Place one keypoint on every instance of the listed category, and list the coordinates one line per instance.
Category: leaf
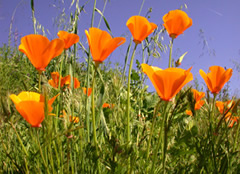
(106, 23)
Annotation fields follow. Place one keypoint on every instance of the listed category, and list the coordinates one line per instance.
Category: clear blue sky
(219, 19)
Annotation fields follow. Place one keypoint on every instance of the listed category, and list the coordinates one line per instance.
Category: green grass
(195, 144)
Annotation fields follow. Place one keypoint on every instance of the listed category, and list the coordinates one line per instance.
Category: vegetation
(115, 125)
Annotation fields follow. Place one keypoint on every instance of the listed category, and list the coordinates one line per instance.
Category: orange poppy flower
(31, 106)
(223, 107)
(197, 97)
(71, 118)
(85, 91)
(107, 105)
(68, 38)
(216, 78)
(231, 120)
(189, 112)
(176, 22)
(167, 82)
(39, 50)
(102, 44)
(140, 28)
(64, 81)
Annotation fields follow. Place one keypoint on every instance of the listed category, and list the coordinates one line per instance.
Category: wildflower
(224, 108)
(189, 112)
(89, 91)
(68, 38)
(102, 44)
(39, 50)
(31, 106)
(54, 82)
(216, 78)
(167, 82)
(140, 28)
(197, 97)
(176, 22)
(107, 105)
(71, 118)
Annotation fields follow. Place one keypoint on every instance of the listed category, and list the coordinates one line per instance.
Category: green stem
(93, 117)
(128, 94)
(159, 140)
(152, 128)
(128, 102)
(33, 17)
(212, 133)
(170, 53)
(19, 139)
(41, 153)
(39, 81)
(88, 74)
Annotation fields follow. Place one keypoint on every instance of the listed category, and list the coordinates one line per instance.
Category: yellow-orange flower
(176, 22)
(31, 106)
(167, 82)
(71, 118)
(39, 50)
(197, 97)
(216, 78)
(102, 44)
(68, 38)
(140, 28)
(107, 105)
(189, 112)
(54, 82)
(224, 107)
(85, 91)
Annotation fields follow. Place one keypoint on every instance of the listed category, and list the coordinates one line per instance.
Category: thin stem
(33, 17)
(39, 81)
(88, 73)
(93, 117)
(170, 53)
(160, 138)
(152, 128)
(19, 139)
(128, 94)
(211, 132)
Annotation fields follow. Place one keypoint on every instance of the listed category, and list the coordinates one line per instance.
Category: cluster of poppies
(167, 83)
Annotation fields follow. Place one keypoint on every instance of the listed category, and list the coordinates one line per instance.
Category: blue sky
(219, 19)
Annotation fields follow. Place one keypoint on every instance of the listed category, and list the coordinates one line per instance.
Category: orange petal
(199, 104)
(32, 112)
(140, 28)
(216, 78)
(69, 38)
(176, 22)
(40, 50)
(170, 81)
(76, 83)
(102, 44)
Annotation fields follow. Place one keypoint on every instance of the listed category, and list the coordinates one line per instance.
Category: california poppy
(223, 108)
(107, 105)
(197, 97)
(68, 38)
(31, 106)
(216, 78)
(167, 82)
(54, 82)
(71, 118)
(39, 50)
(189, 112)
(176, 22)
(85, 91)
(140, 28)
(102, 44)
